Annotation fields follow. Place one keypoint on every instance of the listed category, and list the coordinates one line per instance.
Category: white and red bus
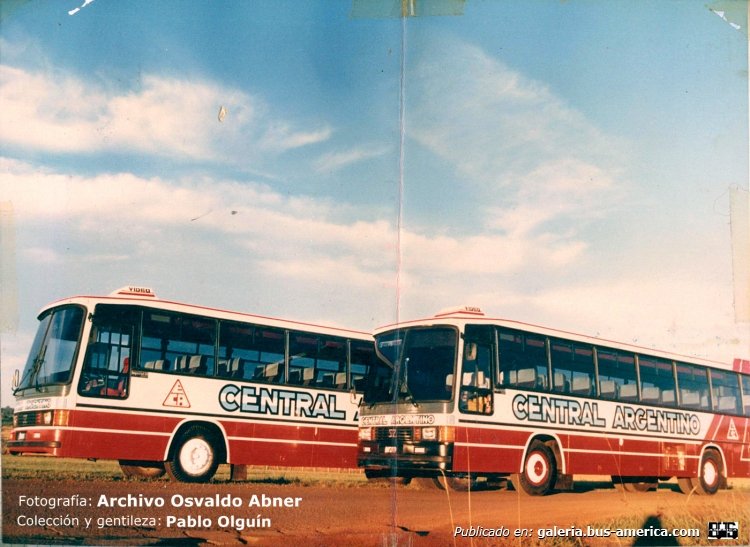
(163, 386)
(460, 398)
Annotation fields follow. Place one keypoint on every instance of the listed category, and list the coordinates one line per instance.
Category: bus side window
(726, 388)
(745, 381)
(523, 360)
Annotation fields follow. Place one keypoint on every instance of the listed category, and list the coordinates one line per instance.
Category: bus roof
(463, 315)
(146, 297)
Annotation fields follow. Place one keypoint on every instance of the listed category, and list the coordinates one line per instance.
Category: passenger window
(362, 359)
(657, 381)
(726, 390)
(572, 368)
(318, 361)
(178, 343)
(617, 377)
(251, 352)
(745, 380)
(693, 386)
(523, 360)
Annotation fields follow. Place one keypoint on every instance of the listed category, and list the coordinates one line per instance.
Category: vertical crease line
(401, 167)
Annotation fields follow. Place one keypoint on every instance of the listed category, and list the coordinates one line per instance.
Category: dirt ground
(323, 515)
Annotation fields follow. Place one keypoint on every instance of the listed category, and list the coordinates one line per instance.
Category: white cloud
(337, 160)
(52, 112)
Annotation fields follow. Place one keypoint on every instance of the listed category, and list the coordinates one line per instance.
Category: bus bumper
(405, 459)
(35, 441)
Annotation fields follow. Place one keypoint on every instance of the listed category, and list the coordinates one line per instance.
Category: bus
(461, 399)
(163, 386)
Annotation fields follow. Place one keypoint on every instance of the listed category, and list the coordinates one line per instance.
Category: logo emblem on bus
(392, 431)
(177, 396)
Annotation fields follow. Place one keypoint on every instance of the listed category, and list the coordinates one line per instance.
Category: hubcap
(710, 473)
(196, 456)
(536, 468)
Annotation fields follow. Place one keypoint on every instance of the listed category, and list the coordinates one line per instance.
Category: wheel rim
(196, 456)
(537, 468)
(710, 473)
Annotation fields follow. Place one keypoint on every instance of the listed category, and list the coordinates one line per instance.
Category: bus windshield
(53, 351)
(414, 365)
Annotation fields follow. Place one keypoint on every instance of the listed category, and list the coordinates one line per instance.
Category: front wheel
(195, 457)
(539, 473)
(458, 484)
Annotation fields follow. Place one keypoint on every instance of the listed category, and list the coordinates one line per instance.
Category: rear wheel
(195, 457)
(539, 473)
(148, 470)
(686, 485)
(709, 478)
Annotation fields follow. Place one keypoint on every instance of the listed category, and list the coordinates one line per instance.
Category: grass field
(671, 510)
(62, 469)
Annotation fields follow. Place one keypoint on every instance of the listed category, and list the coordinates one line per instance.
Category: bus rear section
(462, 399)
(168, 387)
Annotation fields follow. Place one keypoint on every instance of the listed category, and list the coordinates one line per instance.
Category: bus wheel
(194, 457)
(709, 475)
(539, 471)
(641, 486)
(635, 484)
(685, 484)
(458, 484)
(147, 470)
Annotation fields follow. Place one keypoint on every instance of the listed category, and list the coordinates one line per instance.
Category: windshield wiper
(33, 372)
(404, 385)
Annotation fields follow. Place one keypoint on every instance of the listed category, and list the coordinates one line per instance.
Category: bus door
(475, 398)
(106, 368)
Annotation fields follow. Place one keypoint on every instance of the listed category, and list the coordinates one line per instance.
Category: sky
(567, 164)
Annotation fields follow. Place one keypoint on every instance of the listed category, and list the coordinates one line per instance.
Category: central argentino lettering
(658, 421)
(280, 402)
(555, 410)
(398, 419)
(539, 408)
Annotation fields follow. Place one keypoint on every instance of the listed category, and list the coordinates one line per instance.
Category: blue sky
(564, 163)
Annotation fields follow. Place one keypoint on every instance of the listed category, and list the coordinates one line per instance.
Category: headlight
(365, 433)
(47, 418)
(429, 433)
(443, 433)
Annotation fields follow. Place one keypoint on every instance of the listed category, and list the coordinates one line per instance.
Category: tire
(138, 469)
(709, 479)
(194, 457)
(539, 473)
(385, 476)
(645, 486)
(635, 484)
(427, 483)
(685, 484)
(457, 484)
